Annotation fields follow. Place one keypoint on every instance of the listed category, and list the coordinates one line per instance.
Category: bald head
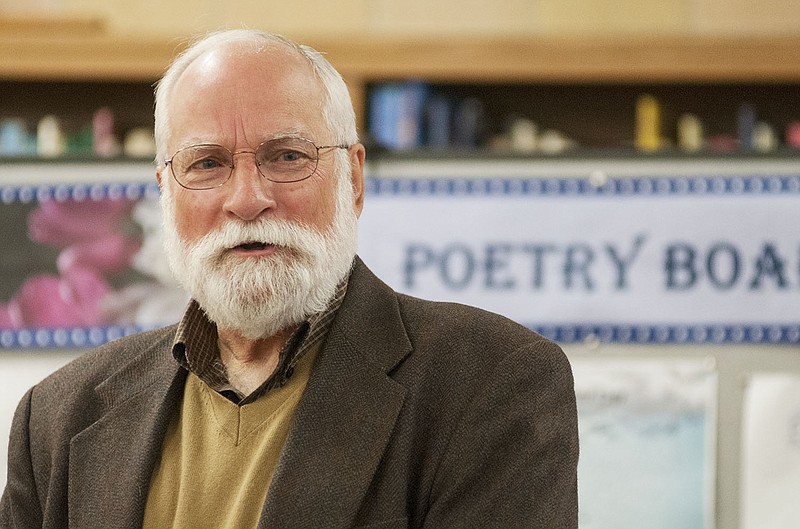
(221, 54)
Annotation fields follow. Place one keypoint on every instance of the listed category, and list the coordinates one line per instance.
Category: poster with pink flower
(82, 264)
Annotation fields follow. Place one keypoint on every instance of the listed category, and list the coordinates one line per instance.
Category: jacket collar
(347, 413)
(340, 431)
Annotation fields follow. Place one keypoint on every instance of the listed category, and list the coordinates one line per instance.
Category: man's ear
(159, 171)
(357, 156)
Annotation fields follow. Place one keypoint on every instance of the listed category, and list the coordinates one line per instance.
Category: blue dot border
(655, 334)
(26, 194)
(583, 187)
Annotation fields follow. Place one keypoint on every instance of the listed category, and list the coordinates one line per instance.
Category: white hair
(337, 108)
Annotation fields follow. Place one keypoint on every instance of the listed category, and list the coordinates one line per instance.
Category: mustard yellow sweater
(218, 458)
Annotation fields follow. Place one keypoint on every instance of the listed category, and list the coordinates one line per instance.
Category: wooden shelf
(76, 48)
(88, 52)
(670, 59)
(86, 58)
(559, 60)
(83, 50)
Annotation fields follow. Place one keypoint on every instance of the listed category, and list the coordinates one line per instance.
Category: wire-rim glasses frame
(282, 160)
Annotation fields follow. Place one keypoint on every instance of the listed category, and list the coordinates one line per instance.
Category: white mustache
(268, 231)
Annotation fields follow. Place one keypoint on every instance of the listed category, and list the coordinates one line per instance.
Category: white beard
(258, 297)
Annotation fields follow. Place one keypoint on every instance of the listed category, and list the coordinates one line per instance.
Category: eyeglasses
(282, 160)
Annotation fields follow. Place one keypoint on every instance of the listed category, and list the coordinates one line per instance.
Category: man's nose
(249, 192)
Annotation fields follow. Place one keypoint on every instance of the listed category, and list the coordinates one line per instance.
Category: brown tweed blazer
(417, 414)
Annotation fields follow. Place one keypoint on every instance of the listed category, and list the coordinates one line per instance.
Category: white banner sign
(645, 259)
(666, 259)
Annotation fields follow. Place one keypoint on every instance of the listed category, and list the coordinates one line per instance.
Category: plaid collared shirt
(196, 349)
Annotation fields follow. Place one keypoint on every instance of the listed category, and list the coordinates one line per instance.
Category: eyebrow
(195, 141)
(288, 133)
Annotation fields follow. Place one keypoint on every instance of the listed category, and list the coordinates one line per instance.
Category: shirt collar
(195, 347)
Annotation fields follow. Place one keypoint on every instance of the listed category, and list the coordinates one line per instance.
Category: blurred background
(622, 176)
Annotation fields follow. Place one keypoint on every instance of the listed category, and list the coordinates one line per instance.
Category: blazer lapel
(111, 461)
(346, 416)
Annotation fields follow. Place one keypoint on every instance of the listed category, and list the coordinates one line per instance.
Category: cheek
(195, 214)
(314, 206)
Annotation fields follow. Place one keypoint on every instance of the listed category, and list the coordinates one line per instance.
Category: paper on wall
(771, 452)
(647, 434)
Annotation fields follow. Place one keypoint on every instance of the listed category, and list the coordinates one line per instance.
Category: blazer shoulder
(470, 336)
(459, 322)
(453, 333)
(74, 385)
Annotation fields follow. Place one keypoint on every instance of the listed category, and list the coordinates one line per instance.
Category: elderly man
(298, 390)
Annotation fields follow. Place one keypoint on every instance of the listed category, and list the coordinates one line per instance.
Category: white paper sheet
(771, 452)
(647, 443)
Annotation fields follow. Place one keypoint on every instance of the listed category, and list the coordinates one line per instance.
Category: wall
(423, 17)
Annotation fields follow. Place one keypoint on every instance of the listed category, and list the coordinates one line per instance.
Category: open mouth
(252, 246)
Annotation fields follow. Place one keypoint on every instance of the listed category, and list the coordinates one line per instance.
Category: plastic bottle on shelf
(793, 134)
(13, 137)
(690, 133)
(49, 137)
(648, 124)
(104, 143)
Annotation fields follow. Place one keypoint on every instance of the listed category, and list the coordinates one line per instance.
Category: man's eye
(290, 156)
(206, 164)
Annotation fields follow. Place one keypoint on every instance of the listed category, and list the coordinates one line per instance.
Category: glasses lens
(202, 166)
(287, 159)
